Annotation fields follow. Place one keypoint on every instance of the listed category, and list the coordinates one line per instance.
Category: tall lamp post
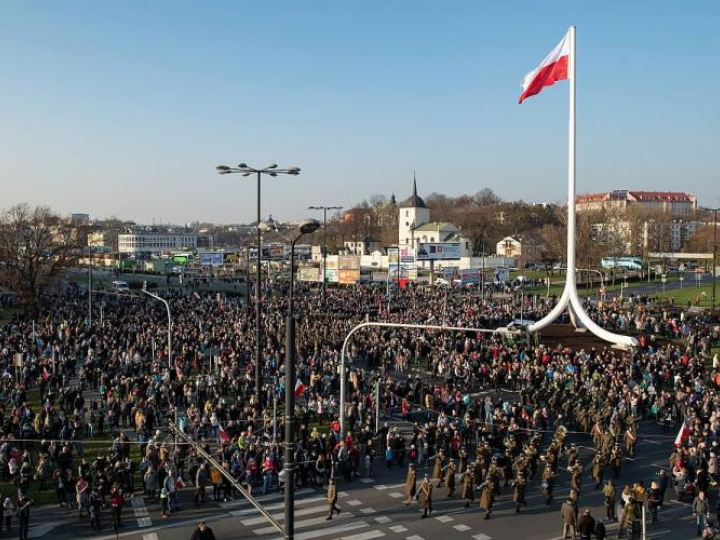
(167, 307)
(307, 226)
(714, 272)
(271, 170)
(324, 254)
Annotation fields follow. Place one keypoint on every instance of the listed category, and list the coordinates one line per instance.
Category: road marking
(140, 512)
(365, 536)
(397, 529)
(276, 506)
(151, 536)
(381, 487)
(144, 522)
(383, 519)
(263, 498)
(329, 531)
(367, 510)
(299, 524)
(353, 502)
(414, 537)
(396, 495)
(280, 515)
(444, 519)
(367, 480)
(461, 527)
(481, 537)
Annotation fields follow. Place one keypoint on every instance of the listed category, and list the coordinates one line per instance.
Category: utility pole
(90, 285)
(324, 240)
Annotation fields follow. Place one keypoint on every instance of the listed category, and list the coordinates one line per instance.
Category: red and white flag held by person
(682, 435)
(46, 376)
(221, 433)
(179, 372)
(299, 388)
(552, 69)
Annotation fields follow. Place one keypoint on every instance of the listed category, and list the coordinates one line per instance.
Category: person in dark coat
(203, 532)
(450, 478)
(586, 526)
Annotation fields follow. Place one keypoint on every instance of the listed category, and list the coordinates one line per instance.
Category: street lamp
(271, 170)
(307, 226)
(714, 272)
(324, 254)
(169, 334)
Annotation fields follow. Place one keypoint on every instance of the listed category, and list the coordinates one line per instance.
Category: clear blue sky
(125, 108)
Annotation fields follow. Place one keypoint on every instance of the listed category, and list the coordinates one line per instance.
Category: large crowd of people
(69, 386)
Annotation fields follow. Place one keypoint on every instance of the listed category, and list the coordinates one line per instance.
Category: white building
(415, 227)
(139, 241)
(508, 247)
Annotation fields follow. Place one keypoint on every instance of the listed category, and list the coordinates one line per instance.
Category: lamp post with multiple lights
(324, 254)
(270, 170)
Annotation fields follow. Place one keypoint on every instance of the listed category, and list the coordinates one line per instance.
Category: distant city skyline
(125, 109)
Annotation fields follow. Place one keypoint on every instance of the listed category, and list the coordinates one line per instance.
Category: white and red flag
(221, 432)
(682, 435)
(299, 388)
(46, 376)
(552, 69)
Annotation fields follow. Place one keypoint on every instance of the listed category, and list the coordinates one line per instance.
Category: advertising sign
(331, 275)
(502, 275)
(348, 277)
(348, 262)
(470, 276)
(273, 251)
(309, 274)
(438, 251)
(212, 259)
(449, 272)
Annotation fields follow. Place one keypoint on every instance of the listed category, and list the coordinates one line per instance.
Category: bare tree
(486, 197)
(36, 245)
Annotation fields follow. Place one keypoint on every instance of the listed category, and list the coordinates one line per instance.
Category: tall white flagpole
(570, 298)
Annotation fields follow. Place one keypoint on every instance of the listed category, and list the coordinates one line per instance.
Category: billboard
(470, 276)
(441, 251)
(212, 259)
(502, 274)
(348, 262)
(450, 272)
(408, 266)
(331, 275)
(348, 277)
(273, 251)
(309, 274)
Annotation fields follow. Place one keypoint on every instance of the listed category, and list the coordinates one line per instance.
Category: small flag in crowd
(299, 388)
(682, 435)
(45, 374)
(221, 432)
(179, 372)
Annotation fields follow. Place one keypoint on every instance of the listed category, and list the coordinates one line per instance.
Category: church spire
(414, 185)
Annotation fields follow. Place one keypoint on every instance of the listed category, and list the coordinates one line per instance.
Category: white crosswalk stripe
(369, 535)
(329, 531)
(281, 515)
(398, 529)
(264, 498)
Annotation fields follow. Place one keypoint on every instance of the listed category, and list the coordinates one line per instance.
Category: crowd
(69, 386)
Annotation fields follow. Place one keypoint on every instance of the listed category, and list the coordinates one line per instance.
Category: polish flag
(682, 435)
(221, 432)
(179, 372)
(299, 388)
(45, 374)
(554, 68)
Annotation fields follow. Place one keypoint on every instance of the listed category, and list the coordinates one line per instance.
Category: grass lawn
(690, 293)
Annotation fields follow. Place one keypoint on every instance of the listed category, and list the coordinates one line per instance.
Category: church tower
(412, 213)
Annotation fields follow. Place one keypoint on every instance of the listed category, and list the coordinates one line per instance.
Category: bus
(625, 263)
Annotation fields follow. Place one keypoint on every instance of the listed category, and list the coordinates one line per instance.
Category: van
(120, 286)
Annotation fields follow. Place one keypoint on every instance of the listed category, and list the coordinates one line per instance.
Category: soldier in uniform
(519, 492)
(463, 460)
(411, 484)
(450, 478)
(467, 488)
(598, 467)
(332, 500)
(616, 460)
(609, 500)
(488, 497)
(576, 476)
(630, 440)
(548, 484)
(438, 467)
(572, 455)
(425, 496)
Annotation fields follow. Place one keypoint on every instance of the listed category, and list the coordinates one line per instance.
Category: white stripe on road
(481, 537)
(367, 510)
(353, 502)
(396, 495)
(365, 536)
(414, 537)
(144, 522)
(339, 529)
(383, 519)
(367, 480)
(151, 536)
(444, 519)
(262, 498)
(397, 529)
(461, 527)
(280, 516)
(276, 506)
(299, 524)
